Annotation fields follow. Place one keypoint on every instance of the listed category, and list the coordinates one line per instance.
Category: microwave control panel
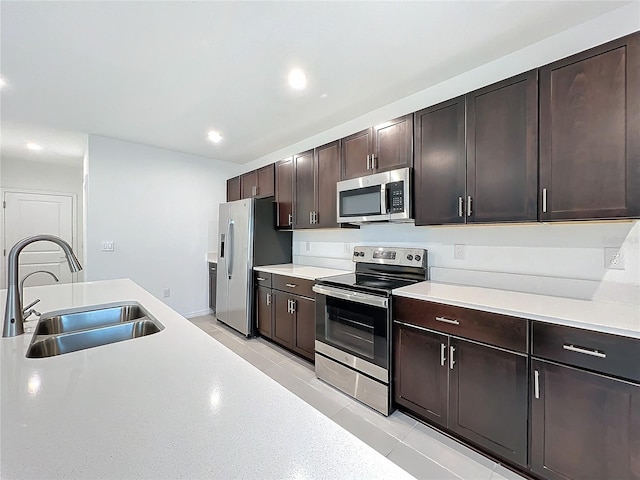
(396, 196)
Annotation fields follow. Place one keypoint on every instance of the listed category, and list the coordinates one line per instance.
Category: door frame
(74, 227)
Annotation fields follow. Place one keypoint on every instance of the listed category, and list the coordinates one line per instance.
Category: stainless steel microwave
(380, 197)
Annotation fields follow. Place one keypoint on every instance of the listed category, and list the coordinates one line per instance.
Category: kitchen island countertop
(168, 405)
(606, 317)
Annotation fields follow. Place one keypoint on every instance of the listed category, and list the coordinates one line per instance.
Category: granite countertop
(168, 405)
(607, 317)
(212, 257)
(300, 271)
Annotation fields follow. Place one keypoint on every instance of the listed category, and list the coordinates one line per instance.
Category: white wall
(23, 174)
(160, 208)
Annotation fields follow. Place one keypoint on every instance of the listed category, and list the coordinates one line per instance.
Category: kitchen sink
(78, 329)
(65, 322)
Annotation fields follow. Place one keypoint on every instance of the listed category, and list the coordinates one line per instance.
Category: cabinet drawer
(299, 286)
(213, 267)
(262, 279)
(600, 352)
(491, 328)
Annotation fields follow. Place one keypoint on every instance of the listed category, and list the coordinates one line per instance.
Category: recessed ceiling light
(297, 79)
(34, 146)
(214, 136)
(324, 95)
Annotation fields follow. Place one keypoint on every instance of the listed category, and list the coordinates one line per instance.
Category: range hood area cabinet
(489, 174)
(384, 147)
(316, 174)
(590, 133)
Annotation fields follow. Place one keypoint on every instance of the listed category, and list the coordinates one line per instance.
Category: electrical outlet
(347, 248)
(307, 246)
(107, 245)
(166, 293)
(613, 258)
(459, 252)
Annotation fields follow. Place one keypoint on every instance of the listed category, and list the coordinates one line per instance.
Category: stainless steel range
(353, 321)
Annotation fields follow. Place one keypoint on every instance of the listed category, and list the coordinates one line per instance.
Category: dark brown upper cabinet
(316, 173)
(233, 189)
(284, 193)
(377, 149)
(489, 174)
(502, 151)
(258, 183)
(440, 164)
(590, 133)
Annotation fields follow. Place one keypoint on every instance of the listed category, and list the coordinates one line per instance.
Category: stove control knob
(418, 258)
(409, 257)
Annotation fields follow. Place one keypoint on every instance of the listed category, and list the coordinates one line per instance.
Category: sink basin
(65, 322)
(52, 345)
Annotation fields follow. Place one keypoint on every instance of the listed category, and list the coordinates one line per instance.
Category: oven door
(353, 322)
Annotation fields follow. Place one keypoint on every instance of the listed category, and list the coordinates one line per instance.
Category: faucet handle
(30, 305)
(27, 314)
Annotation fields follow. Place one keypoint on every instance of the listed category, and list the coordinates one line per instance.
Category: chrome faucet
(13, 315)
(27, 311)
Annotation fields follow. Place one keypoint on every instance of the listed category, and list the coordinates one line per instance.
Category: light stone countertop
(212, 257)
(175, 404)
(301, 271)
(608, 317)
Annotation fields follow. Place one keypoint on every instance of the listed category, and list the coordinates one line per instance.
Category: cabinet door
(583, 425)
(502, 151)
(590, 133)
(304, 189)
(283, 319)
(233, 189)
(393, 144)
(249, 184)
(266, 181)
(305, 329)
(440, 164)
(284, 193)
(356, 150)
(213, 268)
(421, 372)
(264, 311)
(488, 398)
(327, 174)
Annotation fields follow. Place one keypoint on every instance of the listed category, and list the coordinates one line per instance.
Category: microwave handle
(383, 198)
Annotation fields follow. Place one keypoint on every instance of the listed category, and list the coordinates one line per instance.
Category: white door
(27, 214)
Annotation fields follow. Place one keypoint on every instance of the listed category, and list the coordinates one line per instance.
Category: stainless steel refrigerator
(247, 238)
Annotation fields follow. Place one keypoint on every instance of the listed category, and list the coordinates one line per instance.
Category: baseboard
(199, 313)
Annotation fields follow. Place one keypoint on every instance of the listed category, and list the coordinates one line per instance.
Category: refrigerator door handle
(229, 248)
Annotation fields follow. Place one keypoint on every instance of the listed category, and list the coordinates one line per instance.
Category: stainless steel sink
(65, 322)
(70, 331)
(71, 342)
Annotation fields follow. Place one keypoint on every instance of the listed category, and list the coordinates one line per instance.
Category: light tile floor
(420, 450)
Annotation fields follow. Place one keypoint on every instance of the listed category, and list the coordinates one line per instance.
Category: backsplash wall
(562, 259)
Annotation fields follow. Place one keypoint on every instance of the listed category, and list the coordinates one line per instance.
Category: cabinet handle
(289, 305)
(586, 351)
(469, 206)
(291, 285)
(536, 383)
(451, 352)
(373, 161)
(293, 306)
(460, 207)
(446, 320)
(260, 279)
(254, 191)
(544, 200)
(443, 355)
(315, 217)
(268, 299)
(368, 162)
(310, 218)
(290, 218)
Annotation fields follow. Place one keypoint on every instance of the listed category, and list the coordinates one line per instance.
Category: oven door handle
(356, 297)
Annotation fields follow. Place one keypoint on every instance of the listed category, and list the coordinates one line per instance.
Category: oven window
(360, 201)
(355, 328)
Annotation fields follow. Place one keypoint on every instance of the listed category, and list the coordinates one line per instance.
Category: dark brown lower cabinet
(305, 326)
(583, 425)
(284, 321)
(264, 311)
(213, 278)
(475, 390)
(488, 391)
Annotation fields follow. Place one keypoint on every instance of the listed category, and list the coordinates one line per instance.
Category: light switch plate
(459, 252)
(107, 246)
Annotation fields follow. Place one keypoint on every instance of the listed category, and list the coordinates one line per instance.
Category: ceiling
(165, 73)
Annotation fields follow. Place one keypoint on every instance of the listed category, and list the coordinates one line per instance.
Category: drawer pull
(451, 352)
(593, 353)
(291, 285)
(536, 383)
(260, 279)
(446, 320)
(443, 355)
